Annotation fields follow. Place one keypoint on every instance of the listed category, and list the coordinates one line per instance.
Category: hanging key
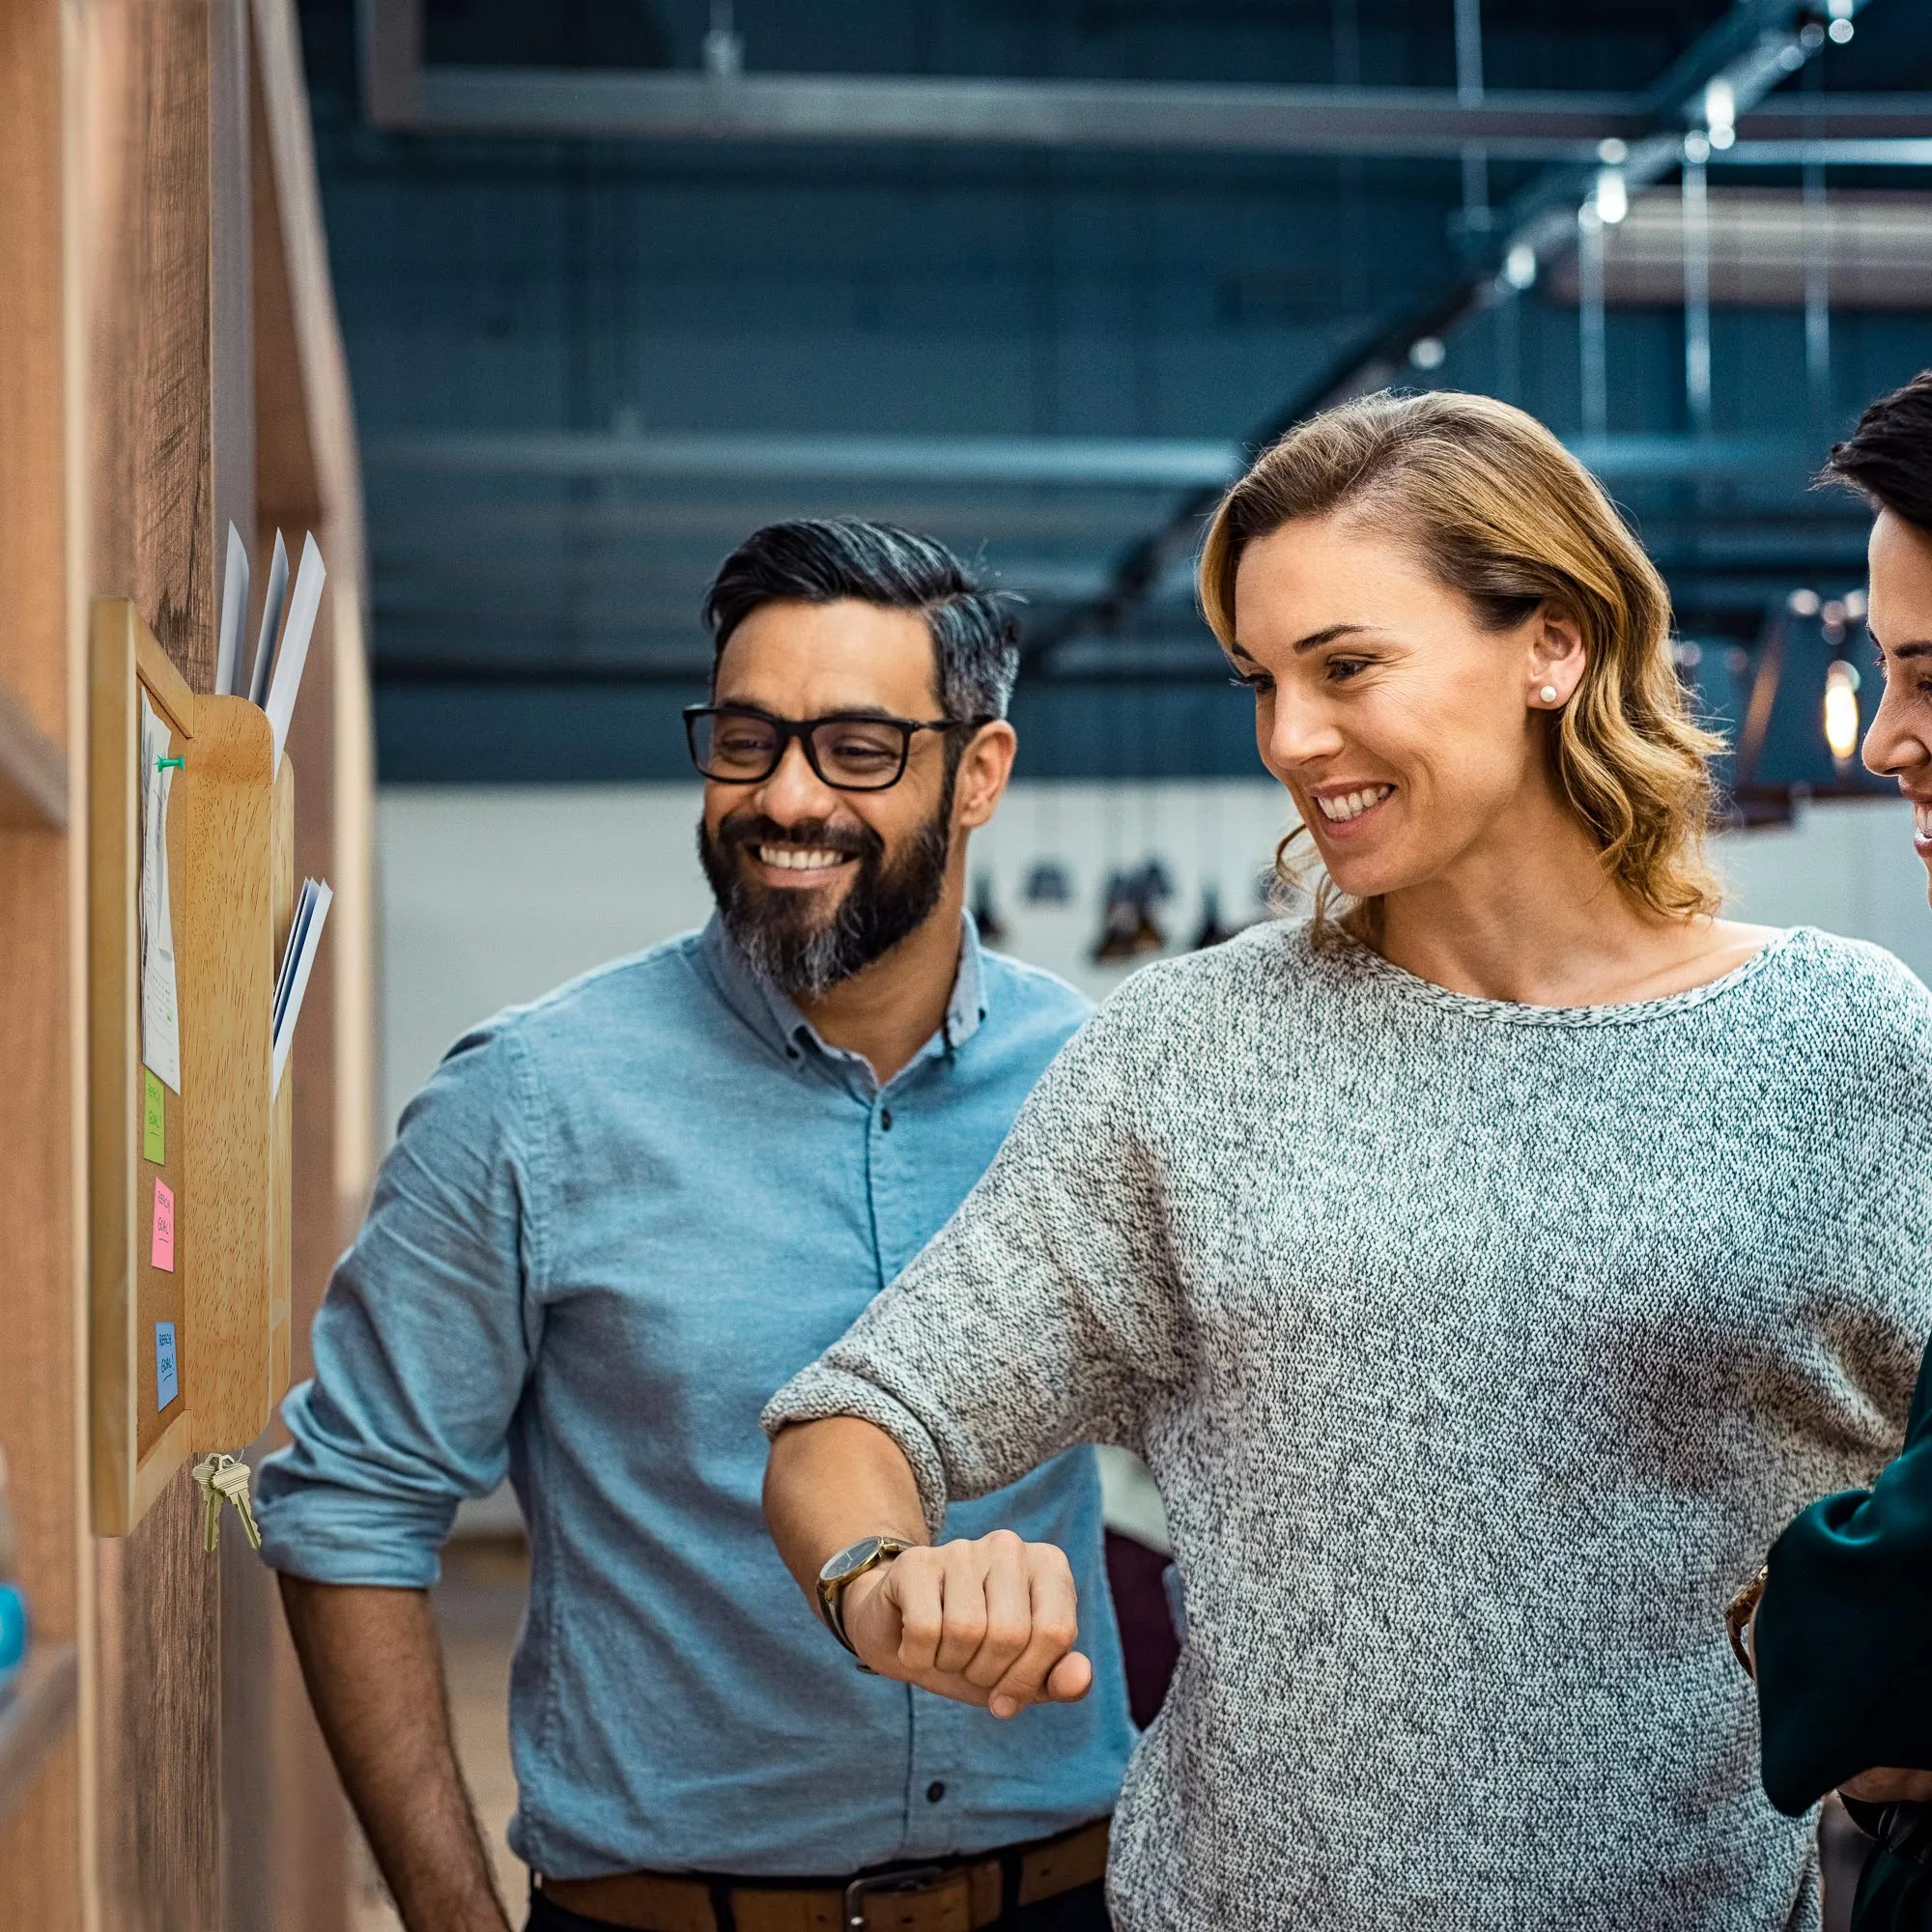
(204, 1473)
(232, 1481)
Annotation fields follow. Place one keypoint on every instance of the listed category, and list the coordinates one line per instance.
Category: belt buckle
(916, 1878)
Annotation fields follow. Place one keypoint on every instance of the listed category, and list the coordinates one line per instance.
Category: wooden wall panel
(160, 1696)
(231, 276)
(40, 1409)
(133, 200)
(40, 1371)
(32, 523)
(287, 1861)
(148, 274)
(171, 459)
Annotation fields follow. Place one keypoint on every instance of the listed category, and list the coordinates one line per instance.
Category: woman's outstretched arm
(990, 1622)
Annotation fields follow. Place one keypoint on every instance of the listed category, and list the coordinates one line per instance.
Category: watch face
(853, 1557)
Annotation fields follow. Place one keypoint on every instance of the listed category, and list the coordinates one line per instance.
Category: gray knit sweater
(1479, 1351)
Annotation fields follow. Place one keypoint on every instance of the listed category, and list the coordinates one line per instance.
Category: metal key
(231, 1480)
(204, 1472)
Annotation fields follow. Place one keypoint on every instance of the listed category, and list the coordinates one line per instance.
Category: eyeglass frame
(800, 730)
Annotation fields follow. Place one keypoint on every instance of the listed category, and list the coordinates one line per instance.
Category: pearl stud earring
(1548, 694)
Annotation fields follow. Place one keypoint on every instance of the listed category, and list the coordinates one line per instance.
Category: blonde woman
(1487, 1267)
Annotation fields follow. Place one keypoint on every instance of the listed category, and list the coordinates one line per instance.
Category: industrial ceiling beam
(1056, 114)
(400, 92)
(1415, 122)
(1739, 58)
(1070, 462)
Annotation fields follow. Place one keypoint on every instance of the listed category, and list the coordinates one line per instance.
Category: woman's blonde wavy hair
(1500, 511)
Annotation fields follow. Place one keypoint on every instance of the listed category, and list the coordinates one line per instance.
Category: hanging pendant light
(1129, 930)
(1841, 711)
(1157, 884)
(992, 927)
(1047, 884)
(1211, 931)
(1800, 723)
(1841, 688)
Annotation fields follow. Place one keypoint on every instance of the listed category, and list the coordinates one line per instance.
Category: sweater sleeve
(1843, 1663)
(1045, 1311)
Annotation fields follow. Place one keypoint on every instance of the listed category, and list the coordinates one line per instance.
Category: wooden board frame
(232, 891)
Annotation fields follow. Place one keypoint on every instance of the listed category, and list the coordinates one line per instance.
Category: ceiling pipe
(1740, 58)
(725, 104)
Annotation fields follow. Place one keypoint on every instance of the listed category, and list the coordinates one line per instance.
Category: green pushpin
(161, 764)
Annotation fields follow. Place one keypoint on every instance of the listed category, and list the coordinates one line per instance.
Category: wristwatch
(846, 1569)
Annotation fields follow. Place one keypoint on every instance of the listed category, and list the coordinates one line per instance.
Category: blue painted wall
(535, 628)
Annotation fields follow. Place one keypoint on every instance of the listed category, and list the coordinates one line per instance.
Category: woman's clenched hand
(989, 1622)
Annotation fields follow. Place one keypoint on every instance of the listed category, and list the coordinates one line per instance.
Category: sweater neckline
(1366, 963)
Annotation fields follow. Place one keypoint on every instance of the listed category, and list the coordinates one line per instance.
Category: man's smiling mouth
(801, 858)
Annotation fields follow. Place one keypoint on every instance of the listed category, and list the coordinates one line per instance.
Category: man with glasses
(614, 1223)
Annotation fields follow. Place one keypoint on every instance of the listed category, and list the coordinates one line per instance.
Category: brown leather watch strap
(1738, 1614)
(953, 1896)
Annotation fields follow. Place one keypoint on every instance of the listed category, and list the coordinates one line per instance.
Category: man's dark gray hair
(975, 636)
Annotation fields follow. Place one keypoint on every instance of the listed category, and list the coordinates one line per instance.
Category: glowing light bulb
(1612, 195)
(1519, 266)
(1720, 113)
(1841, 710)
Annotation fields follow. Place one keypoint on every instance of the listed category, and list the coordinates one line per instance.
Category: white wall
(494, 895)
(491, 897)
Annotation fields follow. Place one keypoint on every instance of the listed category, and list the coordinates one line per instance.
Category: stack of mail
(272, 682)
(298, 960)
(276, 674)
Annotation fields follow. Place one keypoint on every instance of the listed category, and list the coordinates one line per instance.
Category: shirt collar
(774, 1016)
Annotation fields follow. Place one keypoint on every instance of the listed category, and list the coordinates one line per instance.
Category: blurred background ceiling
(621, 279)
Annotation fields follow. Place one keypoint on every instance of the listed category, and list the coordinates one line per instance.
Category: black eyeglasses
(734, 744)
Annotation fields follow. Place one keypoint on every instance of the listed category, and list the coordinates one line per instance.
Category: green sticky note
(153, 1120)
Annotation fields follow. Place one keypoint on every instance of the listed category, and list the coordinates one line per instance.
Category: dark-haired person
(615, 1221)
(1842, 1637)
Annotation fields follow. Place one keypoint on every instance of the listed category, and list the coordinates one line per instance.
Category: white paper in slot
(304, 942)
(303, 603)
(160, 1021)
(234, 615)
(272, 620)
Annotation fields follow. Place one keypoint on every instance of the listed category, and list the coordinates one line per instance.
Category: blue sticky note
(167, 1382)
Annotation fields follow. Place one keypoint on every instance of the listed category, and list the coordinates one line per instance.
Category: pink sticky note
(164, 1226)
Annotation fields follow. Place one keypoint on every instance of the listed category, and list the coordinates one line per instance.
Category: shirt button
(935, 1792)
(886, 1119)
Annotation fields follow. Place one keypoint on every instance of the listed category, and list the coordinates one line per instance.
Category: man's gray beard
(880, 909)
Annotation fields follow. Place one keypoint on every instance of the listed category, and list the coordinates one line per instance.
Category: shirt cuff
(347, 1536)
(820, 1392)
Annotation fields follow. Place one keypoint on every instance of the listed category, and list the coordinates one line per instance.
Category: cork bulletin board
(157, 1288)
(188, 1183)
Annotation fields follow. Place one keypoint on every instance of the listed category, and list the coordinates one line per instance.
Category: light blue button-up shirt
(612, 1224)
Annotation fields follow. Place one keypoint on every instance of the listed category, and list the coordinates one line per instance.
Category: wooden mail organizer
(219, 1317)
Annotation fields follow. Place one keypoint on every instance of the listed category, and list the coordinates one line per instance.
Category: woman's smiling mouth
(1346, 805)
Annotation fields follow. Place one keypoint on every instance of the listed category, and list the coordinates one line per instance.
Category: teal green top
(1844, 1633)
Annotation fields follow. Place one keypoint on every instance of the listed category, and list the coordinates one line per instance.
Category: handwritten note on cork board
(160, 1237)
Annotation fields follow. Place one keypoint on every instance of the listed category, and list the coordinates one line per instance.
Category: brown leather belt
(948, 1895)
